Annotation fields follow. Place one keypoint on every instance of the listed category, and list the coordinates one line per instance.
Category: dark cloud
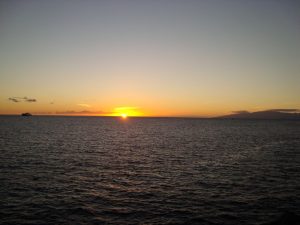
(24, 99)
(29, 99)
(14, 99)
(86, 112)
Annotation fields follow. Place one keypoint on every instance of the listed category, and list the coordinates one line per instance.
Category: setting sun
(127, 111)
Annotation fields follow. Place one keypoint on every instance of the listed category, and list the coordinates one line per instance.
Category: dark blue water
(89, 170)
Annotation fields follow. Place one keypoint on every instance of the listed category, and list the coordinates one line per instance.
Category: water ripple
(64, 170)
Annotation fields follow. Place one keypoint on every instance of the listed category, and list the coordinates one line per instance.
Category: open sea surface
(96, 170)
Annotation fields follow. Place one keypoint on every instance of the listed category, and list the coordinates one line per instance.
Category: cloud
(84, 112)
(24, 99)
(29, 99)
(126, 108)
(43, 113)
(14, 99)
(84, 105)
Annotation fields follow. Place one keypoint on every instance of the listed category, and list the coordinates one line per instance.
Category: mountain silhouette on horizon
(266, 114)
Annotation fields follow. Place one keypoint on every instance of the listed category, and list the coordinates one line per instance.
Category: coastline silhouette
(266, 114)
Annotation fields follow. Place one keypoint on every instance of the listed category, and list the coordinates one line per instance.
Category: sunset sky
(149, 57)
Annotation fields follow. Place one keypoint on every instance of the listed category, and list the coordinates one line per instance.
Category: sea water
(97, 170)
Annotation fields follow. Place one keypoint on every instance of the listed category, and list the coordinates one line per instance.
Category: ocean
(103, 170)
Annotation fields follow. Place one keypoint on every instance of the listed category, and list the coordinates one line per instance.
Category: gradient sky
(156, 58)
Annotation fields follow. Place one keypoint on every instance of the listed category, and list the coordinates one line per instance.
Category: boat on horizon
(26, 114)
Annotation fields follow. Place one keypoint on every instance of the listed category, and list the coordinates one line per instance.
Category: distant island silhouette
(267, 114)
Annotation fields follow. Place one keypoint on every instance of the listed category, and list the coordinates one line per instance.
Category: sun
(126, 111)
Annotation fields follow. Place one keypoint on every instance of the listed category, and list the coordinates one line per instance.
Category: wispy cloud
(84, 105)
(126, 108)
(83, 112)
(20, 99)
